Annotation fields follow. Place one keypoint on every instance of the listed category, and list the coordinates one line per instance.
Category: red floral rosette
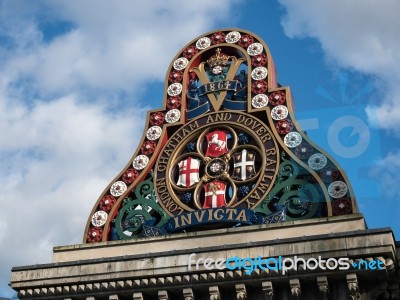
(259, 60)
(342, 206)
(148, 147)
(130, 176)
(107, 202)
(190, 51)
(157, 118)
(218, 38)
(304, 151)
(277, 98)
(329, 174)
(284, 126)
(259, 87)
(245, 41)
(175, 76)
(94, 235)
(173, 102)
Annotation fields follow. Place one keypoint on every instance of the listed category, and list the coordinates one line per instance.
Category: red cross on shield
(214, 194)
(216, 143)
(188, 172)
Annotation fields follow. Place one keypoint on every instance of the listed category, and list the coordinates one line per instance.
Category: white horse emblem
(220, 143)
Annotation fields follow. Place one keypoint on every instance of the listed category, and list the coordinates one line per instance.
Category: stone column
(188, 294)
(137, 296)
(214, 293)
(295, 288)
(241, 292)
(163, 295)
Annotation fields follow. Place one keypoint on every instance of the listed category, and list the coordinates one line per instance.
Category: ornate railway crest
(224, 151)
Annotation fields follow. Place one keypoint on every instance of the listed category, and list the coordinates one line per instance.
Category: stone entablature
(165, 272)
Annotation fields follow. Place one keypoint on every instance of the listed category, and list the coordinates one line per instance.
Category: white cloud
(386, 172)
(63, 138)
(361, 35)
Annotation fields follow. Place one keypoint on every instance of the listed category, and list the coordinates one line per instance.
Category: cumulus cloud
(359, 35)
(71, 108)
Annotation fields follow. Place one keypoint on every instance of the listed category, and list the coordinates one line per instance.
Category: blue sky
(77, 78)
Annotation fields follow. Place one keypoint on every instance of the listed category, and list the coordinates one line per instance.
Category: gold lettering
(210, 120)
(265, 137)
(270, 162)
(217, 216)
(186, 220)
(261, 130)
(199, 218)
(209, 211)
(241, 216)
(185, 132)
(240, 119)
(194, 125)
(270, 152)
(176, 220)
(230, 212)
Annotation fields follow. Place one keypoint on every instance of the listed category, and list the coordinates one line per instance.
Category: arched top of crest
(225, 150)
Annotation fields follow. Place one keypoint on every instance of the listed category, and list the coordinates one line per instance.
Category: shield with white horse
(216, 143)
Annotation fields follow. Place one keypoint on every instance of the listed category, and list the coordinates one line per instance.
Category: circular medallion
(255, 49)
(154, 133)
(218, 38)
(329, 174)
(175, 76)
(277, 98)
(173, 102)
(317, 161)
(259, 60)
(279, 112)
(180, 63)
(190, 52)
(204, 163)
(245, 41)
(304, 151)
(259, 73)
(203, 43)
(173, 116)
(342, 206)
(216, 167)
(156, 118)
(174, 89)
(260, 100)
(284, 126)
(259, 87)
(148, 147)
(130, 176)
(99, 218)
(232, 37)
(337, 189)
(140, 162)
(94, 235)
(292, 139)
(107, 202)
(118, 188)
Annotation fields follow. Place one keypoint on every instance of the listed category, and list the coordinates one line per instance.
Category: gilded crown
(218, 59)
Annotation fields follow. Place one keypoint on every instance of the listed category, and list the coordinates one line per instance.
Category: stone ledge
(211, 238)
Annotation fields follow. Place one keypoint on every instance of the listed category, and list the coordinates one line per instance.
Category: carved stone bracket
(188, 294)
(352, 285)
(163, 295)
(295, 288)
(241, 292)
(268, 290)
(323, 286)
(137, 296)
(214, 293)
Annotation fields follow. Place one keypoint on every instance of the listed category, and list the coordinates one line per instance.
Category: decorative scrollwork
(140, 215)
